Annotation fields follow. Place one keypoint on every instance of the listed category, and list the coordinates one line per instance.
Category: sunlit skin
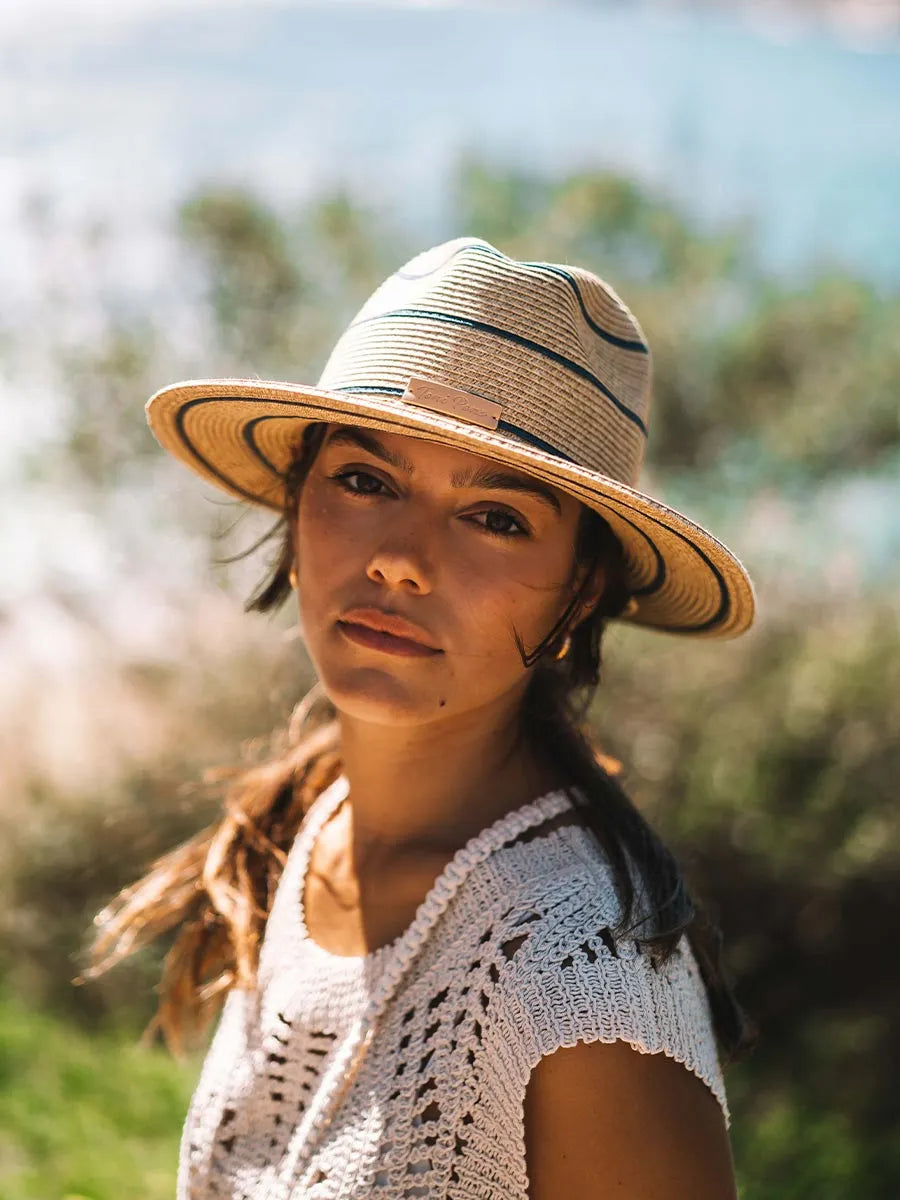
(430, 744)
(432, 751)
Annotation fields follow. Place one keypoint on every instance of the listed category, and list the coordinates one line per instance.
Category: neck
(429, 788)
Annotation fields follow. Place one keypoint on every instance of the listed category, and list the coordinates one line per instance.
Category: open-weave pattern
(552, 345)
(402, 1073)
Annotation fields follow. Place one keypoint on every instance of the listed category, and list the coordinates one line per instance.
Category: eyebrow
(483, 477)
(507, 481)
(350, 435)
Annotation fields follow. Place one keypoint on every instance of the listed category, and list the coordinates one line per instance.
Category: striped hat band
(538, 365)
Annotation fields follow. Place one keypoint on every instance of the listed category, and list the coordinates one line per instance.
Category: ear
(292, 526)
(593, 592)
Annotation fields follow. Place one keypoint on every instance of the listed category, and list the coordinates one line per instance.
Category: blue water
(800, 135)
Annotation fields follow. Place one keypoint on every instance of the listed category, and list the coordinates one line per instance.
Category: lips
(387, 631)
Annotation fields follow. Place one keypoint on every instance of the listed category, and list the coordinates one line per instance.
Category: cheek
(315, 516)
(499, 595)
(332, 527)
(482, 592)
(323, 524)
(319, 568)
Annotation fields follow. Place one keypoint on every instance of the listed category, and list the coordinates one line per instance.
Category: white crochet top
(402, 1073)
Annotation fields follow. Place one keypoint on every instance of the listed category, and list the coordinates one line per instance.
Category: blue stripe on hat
(659, 577)
(537, 442)
(554, 268)
(612, 338)
(401, 274)
(495, 331)
(505, 426)
(248, 431)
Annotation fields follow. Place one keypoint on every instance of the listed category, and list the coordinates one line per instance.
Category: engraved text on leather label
(456, 403)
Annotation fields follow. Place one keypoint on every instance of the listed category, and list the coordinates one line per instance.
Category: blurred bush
(770, 763)
(85, 1117)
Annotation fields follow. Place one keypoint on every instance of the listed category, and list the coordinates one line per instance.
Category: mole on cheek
(441, 702)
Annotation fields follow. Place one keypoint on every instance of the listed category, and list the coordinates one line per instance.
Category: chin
(380, 697)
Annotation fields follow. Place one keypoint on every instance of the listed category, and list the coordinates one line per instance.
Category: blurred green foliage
(90, 1116)
(85, 1117)
(258, 282)
(770, 763)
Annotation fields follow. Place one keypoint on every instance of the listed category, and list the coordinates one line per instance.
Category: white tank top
(402, 1073)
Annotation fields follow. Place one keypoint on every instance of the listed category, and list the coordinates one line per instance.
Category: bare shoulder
(603, 1119)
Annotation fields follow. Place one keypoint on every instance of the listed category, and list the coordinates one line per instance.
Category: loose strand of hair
(219, 885)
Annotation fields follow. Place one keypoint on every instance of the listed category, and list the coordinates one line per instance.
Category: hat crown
(539, 366)
(552, 346)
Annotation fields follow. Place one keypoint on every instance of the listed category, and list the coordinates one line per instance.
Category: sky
(113, 112)
(24, 19)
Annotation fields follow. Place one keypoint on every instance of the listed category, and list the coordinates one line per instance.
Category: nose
(400, 562)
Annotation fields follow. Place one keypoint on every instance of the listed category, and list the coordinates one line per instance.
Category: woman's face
(465, 551)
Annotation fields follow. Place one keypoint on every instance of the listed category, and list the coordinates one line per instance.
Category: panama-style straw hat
(536, 365)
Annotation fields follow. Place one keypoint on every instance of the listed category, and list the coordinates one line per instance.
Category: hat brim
(241, 434)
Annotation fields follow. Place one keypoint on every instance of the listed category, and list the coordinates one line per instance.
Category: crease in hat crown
(538, 365)
(554, 347)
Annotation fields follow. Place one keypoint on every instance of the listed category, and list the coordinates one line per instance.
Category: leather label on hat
(441, 398)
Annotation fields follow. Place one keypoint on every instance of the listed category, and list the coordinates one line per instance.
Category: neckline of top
(532, 812)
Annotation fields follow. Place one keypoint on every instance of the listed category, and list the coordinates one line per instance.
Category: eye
(501, 523)
(365, 485)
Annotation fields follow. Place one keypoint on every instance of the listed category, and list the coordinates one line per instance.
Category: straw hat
(537, 365)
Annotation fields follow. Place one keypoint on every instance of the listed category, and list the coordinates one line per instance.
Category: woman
(458, 961)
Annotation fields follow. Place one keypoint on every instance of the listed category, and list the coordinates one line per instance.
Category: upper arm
(604, 1120)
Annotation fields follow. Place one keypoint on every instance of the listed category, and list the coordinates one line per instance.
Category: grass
(86, 1116)
(91, 1116)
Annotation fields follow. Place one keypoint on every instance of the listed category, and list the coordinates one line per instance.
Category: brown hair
(218, 886)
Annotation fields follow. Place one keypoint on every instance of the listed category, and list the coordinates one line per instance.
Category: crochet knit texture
(402, 1073)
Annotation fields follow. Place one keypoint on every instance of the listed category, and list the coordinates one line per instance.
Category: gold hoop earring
(564, 649)
(292, 578)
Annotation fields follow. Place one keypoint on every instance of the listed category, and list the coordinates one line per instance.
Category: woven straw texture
(552, 346)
